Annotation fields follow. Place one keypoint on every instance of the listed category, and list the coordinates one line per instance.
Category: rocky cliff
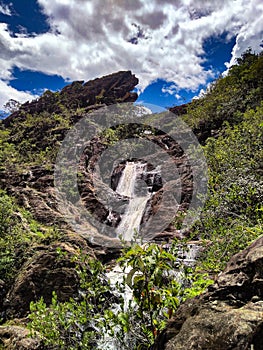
(110, 89)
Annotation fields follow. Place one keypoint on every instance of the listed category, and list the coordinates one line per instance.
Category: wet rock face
(229, 315)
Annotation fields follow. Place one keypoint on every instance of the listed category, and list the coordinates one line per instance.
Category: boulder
(49, 269)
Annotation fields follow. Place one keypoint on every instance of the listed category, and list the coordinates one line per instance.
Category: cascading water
(138, 185)
(127, 181)
(130, 222)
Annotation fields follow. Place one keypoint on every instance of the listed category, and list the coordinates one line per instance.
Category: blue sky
(26, 15)
(217, 51)
(175, 51)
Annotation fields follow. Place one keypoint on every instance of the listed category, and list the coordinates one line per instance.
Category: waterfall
(128, 186)
(127, 181)
(131, 220)
(137, 184)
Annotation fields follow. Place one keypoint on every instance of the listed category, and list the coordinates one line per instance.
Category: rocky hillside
(30, 139)
(41, 254)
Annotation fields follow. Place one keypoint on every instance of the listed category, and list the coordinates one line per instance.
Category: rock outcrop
(228, 316)
(110, 89)
(49, 269)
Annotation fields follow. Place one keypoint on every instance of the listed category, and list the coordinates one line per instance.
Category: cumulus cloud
(250, 33)
(156, 39)
(171, 90)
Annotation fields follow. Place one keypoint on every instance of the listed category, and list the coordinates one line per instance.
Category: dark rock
(228, 316)
(34, 190)
(243, 276)
(179, 110)
(107, 90)
(2, 296)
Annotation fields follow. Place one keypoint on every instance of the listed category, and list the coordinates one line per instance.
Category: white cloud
(156, 39)
(171, 89)
(178, 97)
(5, 9)
(251, 33)
(201, 94)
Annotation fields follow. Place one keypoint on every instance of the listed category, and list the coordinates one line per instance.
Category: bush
(232, 217)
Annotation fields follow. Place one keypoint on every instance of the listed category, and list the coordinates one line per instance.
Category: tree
(12, 105)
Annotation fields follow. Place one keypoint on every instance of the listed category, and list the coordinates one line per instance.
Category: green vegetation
(74, 324)
(19, 232)
(229, 97)
(228, 122)
(36, 138)
(233, 214)
(8, 152)
(149, 274)
(159, 281)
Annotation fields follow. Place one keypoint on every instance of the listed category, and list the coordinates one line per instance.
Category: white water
(130, 222)
(127, 181)
(186, 256)
(115, 276)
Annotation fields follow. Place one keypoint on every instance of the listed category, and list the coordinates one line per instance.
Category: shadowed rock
(46, 271)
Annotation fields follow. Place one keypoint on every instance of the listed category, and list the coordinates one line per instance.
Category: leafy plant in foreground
(156, 289)
(159, 281)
